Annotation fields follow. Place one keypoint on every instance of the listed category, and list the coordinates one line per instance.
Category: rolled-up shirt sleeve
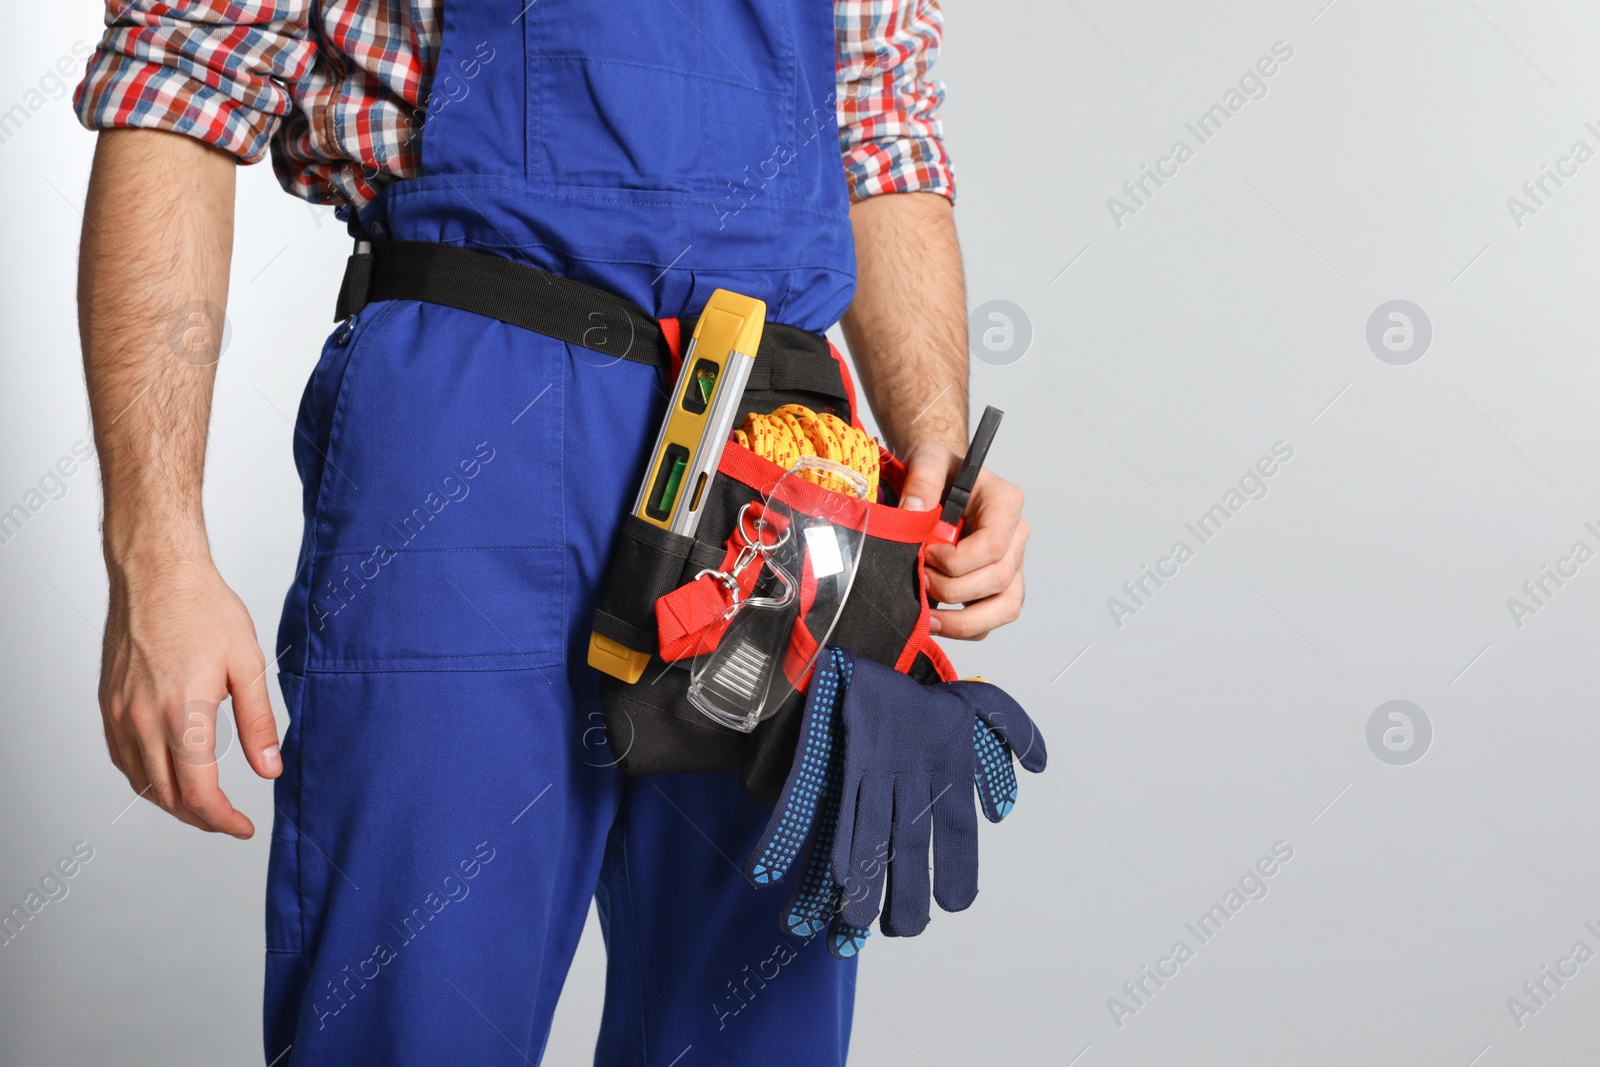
(888, 106)
(220, 72)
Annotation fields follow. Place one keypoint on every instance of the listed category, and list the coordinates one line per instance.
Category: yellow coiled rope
(794, 430)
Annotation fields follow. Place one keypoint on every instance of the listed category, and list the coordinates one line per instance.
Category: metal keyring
(760, 524)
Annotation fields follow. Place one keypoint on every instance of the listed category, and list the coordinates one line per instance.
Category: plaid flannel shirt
(336, 89)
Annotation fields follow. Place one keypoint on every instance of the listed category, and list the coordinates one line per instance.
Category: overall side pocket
(285, 927)
(437, 534)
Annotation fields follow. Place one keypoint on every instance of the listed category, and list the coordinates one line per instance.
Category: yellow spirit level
(689, 446)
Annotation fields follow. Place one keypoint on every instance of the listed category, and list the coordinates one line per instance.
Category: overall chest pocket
(679, 98)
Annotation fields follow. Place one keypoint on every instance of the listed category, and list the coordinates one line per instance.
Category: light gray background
(1228, 714)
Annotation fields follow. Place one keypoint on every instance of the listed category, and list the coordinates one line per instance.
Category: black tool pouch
(651, 726)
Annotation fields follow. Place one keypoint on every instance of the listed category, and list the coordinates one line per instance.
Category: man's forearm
(907, 331)
(152, 280)
(907, 326)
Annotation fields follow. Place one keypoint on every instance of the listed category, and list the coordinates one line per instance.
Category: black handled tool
(948, 528)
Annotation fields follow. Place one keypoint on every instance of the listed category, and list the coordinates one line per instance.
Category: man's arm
(152, 280)
(907, 330)
(908, 325)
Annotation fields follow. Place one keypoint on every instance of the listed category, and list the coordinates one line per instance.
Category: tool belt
(651, 726)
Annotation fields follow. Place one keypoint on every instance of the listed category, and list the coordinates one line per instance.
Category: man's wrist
(134, 549)
(942, 422)
(950, 435)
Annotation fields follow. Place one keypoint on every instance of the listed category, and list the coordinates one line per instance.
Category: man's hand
(983, 570)
(177, 641)
(152, 282)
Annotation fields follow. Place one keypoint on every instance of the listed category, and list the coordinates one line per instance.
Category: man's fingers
(994, 523)
(201, 795)
(161, 788)
(191, 732)
(986, 581)
(111, 742)
(130, 761)
(974, 622)
(983, 570)
(123, 742)
(252, 713)
(975, 586)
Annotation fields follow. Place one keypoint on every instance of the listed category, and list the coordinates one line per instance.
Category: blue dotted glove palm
(881, 774)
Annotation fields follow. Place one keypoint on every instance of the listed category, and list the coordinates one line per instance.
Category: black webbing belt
(559, 307)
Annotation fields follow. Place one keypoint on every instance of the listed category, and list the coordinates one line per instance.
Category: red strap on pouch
(689, 619)
(672, 333)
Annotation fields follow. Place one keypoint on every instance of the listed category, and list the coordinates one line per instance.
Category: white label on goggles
(822, 544)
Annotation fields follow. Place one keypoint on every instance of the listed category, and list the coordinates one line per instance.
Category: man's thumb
(252, 712)
(928, 469)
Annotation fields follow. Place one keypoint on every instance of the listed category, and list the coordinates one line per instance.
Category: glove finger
(955, 849)
(992, 771)
(909, 894)
(861, 868)
(841, 666)
(816, 769)
(845, 940)
(786, 831)
(815, 900)
(816, 896)
(1005, 716)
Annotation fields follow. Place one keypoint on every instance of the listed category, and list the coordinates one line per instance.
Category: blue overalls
(448, 805)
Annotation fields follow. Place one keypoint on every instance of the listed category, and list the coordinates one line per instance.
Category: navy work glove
(912, 755)
(881, 760)
(808, 808)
